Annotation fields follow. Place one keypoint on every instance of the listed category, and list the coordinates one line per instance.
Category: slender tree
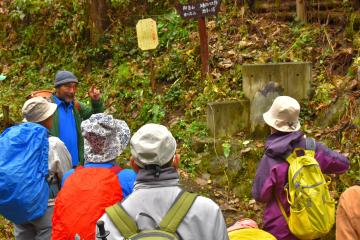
(301, 10)
(356, 4)
(98, 19)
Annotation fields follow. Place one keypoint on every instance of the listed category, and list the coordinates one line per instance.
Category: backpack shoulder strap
(309, 150)
(121, 219)
(282, 210)
(79, 168)
(177, 212)
(116, 169)
(310, 144)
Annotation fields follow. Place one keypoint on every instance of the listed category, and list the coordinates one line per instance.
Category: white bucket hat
(38, 109)
(152, 144)
(283, 114)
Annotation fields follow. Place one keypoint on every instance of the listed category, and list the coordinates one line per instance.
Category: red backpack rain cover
(82, 201)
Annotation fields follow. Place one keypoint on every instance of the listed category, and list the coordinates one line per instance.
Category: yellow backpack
(250, 234)
(312, 209)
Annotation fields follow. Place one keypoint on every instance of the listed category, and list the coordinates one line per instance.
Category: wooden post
(301, 10)
(146, 31)
(204, 48)
(152, 73)
(200, 10)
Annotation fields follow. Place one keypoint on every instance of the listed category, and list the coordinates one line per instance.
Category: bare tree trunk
(301, 10)
(356, 4)
(98, 19)
(7, 122)
(251, 4)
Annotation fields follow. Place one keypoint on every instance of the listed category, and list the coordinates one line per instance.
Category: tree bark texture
(98, 19)
(356, 4)
(301, 10)
(7, 122)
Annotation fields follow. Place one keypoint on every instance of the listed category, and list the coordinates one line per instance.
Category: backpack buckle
(299, 152)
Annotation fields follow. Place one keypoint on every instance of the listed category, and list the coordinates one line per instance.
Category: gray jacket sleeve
(59, 157)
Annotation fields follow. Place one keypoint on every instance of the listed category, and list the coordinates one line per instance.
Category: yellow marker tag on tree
(146, 31)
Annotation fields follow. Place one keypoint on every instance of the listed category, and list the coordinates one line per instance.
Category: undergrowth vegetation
(39, 38)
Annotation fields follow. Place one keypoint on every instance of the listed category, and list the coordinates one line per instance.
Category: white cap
(38, 109)
(152, 144)
(283, 114)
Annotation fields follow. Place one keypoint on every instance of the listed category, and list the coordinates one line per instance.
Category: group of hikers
(59, 178)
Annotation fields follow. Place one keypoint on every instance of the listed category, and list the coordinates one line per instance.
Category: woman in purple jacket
(272, 173)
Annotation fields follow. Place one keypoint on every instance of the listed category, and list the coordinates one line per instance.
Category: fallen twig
(328, 39)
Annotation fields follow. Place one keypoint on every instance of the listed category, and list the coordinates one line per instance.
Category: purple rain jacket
(271, 177)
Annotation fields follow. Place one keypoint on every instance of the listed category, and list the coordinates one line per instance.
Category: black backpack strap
(52, 180)
(177, 212)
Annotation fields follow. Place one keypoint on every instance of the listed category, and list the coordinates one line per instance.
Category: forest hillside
(97, 41)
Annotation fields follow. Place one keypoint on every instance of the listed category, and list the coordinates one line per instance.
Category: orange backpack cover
(47, 95)
(82, 201)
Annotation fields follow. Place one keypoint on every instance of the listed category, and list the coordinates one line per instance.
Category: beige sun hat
(283, 114)
(152, 144)
(38, 109)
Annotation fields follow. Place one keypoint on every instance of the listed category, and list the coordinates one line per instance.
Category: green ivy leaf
(226, 149)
